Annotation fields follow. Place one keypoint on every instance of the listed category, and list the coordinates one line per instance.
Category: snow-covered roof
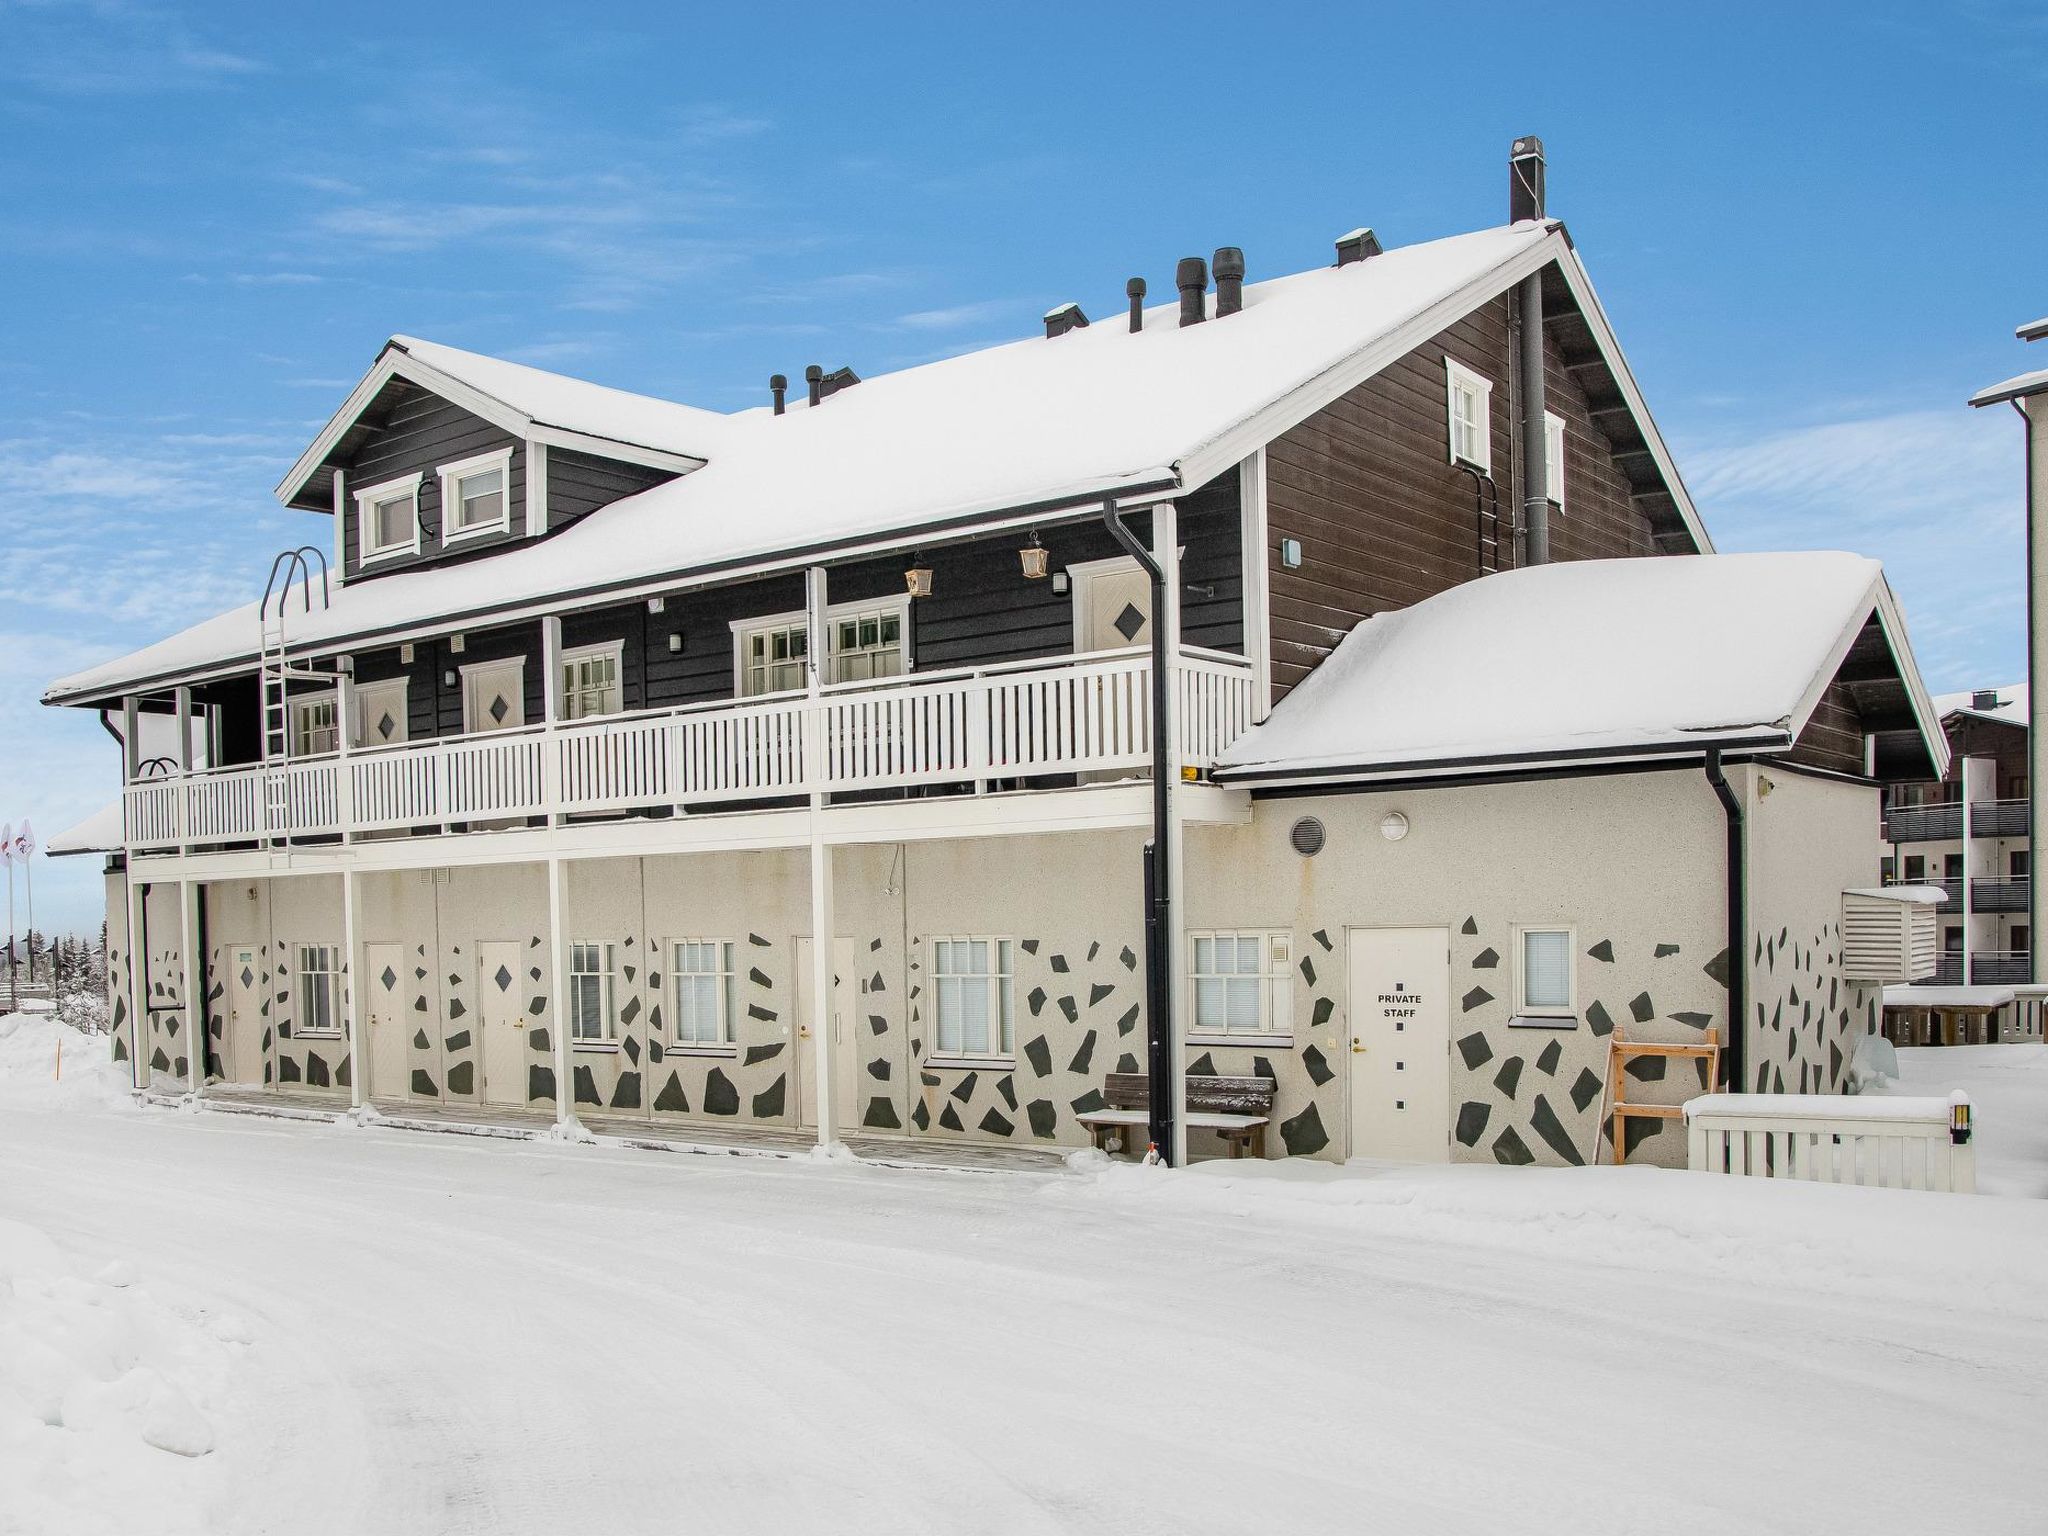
(2033, 330)
(1016, 430)
(2012, 707)
(1580, 662)
(101, 832)
(2011, 389)
(1947, 997)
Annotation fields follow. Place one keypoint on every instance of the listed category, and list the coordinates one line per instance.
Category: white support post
(344, 736)
(824, 923)
(1166, 550)
(340, 529)
(1963, 774)
(536, 488)
(558, 949)
(182, 705)
(189, 895)
(131, 746)
(550, 713)
(138, 961)
(352, 1008)
(1255, 561)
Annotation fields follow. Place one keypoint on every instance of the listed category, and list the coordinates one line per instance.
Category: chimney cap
(777, 381)
(1135, 288)
(1357, 245)
(814, 372)
(1984, 698)
(1528, 144)
(1227, 263)
(1064, 318)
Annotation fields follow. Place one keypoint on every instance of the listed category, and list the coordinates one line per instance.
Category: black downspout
(1158, 903)
(2034, 828)
(203, 972)
(1738, 924)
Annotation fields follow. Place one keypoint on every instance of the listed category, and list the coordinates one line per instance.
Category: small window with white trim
(314, 725)
(476, 496)
(867, 643)
(703, 982)
(590, 681)
(772, 658)
(1546, 983)
(388, 520)
(318, 990)
(1553, 459)
(863, 641)
(973, 982)
(1468, 404)
(592, 1017)
(1243, 982)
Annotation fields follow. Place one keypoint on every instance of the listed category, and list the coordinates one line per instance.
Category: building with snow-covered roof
(1319, 691)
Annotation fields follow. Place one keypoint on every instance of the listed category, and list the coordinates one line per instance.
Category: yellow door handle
(803, 1032)
(1357, 1049)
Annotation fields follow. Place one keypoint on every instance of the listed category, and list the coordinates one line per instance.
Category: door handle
(803, 1032)
(1357, 1049)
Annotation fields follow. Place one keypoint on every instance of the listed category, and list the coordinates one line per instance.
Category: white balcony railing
(993, 725)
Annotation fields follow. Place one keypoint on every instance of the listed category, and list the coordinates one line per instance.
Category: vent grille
(1307, 836)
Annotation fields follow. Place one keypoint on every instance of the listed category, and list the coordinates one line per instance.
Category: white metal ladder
(277, 674)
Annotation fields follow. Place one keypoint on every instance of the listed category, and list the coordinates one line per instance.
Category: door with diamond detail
(1400, 1019)
(1112, 606)
(493, 696)
(380, 714)
(245, 1025)
(501, 1021)
(384, 999)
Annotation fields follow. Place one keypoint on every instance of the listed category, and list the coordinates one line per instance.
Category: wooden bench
(1235, 1108)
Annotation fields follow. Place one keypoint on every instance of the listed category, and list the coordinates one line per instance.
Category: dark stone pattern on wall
(1805, 1016)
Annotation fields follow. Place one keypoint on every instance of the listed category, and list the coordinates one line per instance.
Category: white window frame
(1457, 378)
(744, 630)
(575, 656)
(1276, 985)
(367, 498)
(452, 476)
(1001, 980)
(608, 1009)
(725, 958)
(302, 977)
(303, 704)
(1553, 459)
(1523, 1007)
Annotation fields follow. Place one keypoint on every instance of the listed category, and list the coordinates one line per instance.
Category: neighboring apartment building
(1985, 923)
(1325, 682)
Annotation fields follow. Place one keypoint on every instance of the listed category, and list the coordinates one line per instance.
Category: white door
(242, 1040)
(384, 995)
(845, 1052)
(1112, 605)
(494, 696)
(501, 1021)
(380, 714)
(1400, 1015)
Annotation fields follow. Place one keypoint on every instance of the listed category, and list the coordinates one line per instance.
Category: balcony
(1944, 823)
(933, 733)
(1987, 895)
(1988, 968)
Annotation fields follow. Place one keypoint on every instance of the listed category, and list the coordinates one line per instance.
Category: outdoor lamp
(918, 579)
(1033, 557)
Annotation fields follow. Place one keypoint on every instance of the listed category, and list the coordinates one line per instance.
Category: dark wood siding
(1386, 520)
(580, 483)
(1833, 738)
(416, 434)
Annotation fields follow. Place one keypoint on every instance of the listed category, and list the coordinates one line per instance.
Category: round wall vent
(1307, 837)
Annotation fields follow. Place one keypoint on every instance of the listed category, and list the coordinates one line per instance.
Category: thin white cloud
(953, 318)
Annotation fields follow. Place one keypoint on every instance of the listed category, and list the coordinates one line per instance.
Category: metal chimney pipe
(1191, 277)
(1134, 290)
(1228, 264)
(1535, 440)
(1525, 179)
(814, 378)
(778, 386)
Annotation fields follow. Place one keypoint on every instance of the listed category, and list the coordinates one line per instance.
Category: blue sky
(1814, 228)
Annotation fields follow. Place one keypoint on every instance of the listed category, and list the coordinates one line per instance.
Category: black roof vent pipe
(1356, 246)
(1067, 317)
(814, 376)
(778, 386)
(1525, 179)
(1134, 290)
(1228, 264)
(1191, 277)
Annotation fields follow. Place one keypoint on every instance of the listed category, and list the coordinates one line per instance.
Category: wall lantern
(1393, 826)
(1290, 554)
(448, 678)
(675, 641)
(1033, 557)
(918, 579)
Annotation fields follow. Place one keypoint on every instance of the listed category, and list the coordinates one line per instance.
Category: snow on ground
(2008, 1089)
(455, 1334)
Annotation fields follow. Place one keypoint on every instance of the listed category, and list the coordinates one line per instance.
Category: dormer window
(1468, 401)
(388, 520)
(476, 496)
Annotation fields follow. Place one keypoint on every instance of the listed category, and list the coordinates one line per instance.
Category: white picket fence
(1902, 1143)
(982, 727)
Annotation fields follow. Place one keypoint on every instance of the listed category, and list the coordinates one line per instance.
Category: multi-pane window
(1546, 971)
(972, 984)
(867, 644)
(703, 971)
(314, 726)
(772, 658)
(1468, 396)
(319, 990)
(591, 1015)
(1243, 982)
(590, 683)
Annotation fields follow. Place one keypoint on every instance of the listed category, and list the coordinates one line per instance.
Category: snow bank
(1894, 1246)
(2008, 1089)
(106, 1397)
(29, 1066)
